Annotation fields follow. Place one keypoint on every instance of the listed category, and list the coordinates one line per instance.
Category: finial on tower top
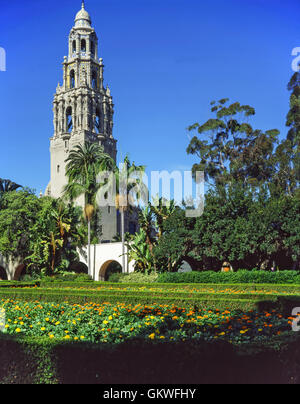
(82, 5)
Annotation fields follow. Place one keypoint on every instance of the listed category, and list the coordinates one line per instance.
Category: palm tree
(84, 163)
(124, 197)
(8, 186)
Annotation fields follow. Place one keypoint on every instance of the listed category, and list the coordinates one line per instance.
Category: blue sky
(165, 60)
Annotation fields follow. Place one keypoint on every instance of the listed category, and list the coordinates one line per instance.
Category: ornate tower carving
(82, 107)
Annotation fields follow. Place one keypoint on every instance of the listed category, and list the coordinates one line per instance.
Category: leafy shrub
(242, 276)
(30, 277)
(68, 277)
(135, 277)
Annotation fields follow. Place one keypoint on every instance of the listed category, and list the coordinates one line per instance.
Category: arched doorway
(78, 267)
(185, 267)
(194, 264)
(108, 268)
(3, 274)
(20, 270)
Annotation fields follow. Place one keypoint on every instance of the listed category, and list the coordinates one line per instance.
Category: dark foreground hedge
(25, 361)
(285, 277)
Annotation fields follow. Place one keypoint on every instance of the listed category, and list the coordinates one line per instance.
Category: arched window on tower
(83, 45)
(72, 79)
(97, 121)
(69, 119)
(92, 48)
(94, 80)
(74, 46)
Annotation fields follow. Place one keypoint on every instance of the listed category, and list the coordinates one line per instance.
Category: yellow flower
(152, 336)
(43, 329)
(105, 322)
(18, 330)
(82, 337)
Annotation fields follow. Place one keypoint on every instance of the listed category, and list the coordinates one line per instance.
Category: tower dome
(83, 18)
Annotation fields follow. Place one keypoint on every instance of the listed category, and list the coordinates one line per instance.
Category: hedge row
(208, 277)
(280, 277)
(280, 288)
(68, 277)
(17, 284)
(74, 297)
(220, 302)
(38, 361)
(146, 294)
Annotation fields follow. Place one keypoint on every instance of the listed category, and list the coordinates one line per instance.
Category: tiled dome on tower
(83, 18)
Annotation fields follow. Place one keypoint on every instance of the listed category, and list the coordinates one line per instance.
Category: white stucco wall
(102, 254)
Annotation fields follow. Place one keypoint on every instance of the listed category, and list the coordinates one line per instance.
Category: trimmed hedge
(243, 276)
(136, 277)
(154, 295)
(17, 284)
(290, 288)
(81, 297)
(37, 361)
(67, 277)
(199, 301)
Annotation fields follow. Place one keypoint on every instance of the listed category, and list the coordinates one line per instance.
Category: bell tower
(82, 107)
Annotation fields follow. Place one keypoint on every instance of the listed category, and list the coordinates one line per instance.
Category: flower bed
(114, 323)
(139, 343)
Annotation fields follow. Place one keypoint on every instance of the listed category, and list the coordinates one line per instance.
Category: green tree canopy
(229, 149)
(41, 232)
